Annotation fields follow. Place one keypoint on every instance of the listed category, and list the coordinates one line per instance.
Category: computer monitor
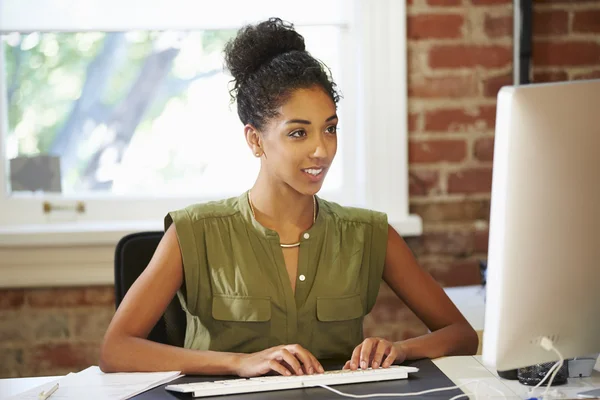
(543, 276)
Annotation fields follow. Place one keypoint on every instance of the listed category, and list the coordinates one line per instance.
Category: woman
(277, 278)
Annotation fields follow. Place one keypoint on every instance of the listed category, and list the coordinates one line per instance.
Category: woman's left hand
(374, 352)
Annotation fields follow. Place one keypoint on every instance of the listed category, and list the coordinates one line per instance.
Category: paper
(93, 384)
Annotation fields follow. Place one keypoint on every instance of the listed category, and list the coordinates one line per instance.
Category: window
(113, 113)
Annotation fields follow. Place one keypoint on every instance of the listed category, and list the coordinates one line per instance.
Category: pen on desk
(45, 395)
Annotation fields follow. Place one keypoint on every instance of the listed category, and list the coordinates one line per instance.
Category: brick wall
(460, 54)
(52, 331)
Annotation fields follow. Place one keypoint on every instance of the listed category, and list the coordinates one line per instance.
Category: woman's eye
(332, 129)
(297, 134)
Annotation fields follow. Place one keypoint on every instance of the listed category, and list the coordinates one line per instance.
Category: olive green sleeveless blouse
(237, 295)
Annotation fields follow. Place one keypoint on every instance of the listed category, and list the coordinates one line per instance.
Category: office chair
(132, 255)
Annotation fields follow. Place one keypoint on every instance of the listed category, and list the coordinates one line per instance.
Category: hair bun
(255, 45)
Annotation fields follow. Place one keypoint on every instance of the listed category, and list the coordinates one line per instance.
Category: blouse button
(302, 278)
(306, 235)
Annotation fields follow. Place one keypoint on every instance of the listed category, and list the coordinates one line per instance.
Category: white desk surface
(460, 370)
(466, 369)
(11, 386)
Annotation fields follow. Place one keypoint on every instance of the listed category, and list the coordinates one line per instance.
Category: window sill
(71, 234)
(76, 255)
(412, 225)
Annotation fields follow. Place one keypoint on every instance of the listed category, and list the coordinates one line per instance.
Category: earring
(257, 154)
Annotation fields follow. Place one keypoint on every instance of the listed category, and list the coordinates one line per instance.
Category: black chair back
(132, 255)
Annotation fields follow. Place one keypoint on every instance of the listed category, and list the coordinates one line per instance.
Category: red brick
(460, 120)
(550, 76)
(69, 297)
(493, 84)
(91, 325)
(587, 21)
(565, 53)
(496, 27)
(455, 273)
(413, 121)
(452, 243)
(552, 22)
(14, 329)
(423, 182)
(408, 326)
(468, 56)
(588, 75)
(484, 149)
(433, 151)
(386, 313)
(446, 3)
(481, 241)
(61, 356)
(487, 2)
(434, 26)
(452, 210)
(474, 180)
(100, 296)
(413, 53)
(445, 86)
(13, 363)
(11, 298)
(388, 308)
(55, 297)
(415, 243)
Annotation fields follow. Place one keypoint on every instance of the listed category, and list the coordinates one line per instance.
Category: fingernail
(310, 370)
(321, 369)
(363, 364)
(375, 364)
(288, 373)
(353, 365)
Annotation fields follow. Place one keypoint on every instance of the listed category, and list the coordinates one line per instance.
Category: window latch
(78, 207)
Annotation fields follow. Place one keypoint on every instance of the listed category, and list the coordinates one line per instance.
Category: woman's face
(299, 144)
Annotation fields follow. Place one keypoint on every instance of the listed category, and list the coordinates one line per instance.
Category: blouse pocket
(242, 323)
(338, 326)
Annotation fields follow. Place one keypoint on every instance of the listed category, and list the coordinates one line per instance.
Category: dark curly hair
(268, 62)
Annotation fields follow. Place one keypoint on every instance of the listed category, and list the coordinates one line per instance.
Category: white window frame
(379, 100)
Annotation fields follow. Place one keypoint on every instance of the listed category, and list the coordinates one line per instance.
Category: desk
(466, 369)
(11, 386)
(459, 369)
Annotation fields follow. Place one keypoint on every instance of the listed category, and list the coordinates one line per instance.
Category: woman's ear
(253, 140)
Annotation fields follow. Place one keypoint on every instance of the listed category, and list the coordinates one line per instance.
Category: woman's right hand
(291, 359)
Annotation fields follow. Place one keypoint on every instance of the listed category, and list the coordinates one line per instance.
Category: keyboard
(279, 382)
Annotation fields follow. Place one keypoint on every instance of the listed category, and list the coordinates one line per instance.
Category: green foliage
(46, 73)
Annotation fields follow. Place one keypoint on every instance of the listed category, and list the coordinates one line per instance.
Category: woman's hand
(375, 352)
(290, 359)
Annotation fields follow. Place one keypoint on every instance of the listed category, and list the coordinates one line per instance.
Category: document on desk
(94, 384)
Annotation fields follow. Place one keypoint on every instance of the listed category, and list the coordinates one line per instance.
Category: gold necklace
(288, 245)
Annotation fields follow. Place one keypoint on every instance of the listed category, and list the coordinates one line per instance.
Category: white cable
(496, 390)
(366, 396)
(459, 396)
(553, 375)
(550, 371)
(548, 345)
(561, 362)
